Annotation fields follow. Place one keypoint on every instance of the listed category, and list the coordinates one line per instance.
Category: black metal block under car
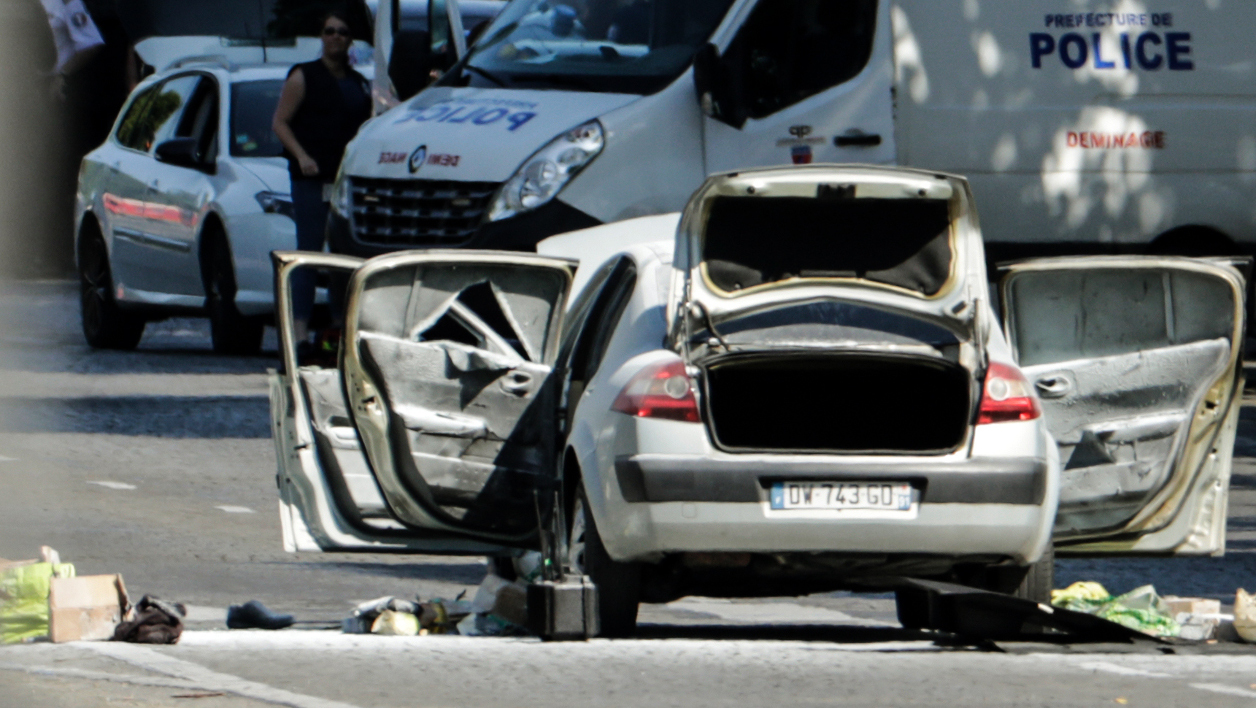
(563, 610)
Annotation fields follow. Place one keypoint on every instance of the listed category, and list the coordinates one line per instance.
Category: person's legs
(311, 217)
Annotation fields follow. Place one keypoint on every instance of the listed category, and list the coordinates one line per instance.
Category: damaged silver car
(805, 382)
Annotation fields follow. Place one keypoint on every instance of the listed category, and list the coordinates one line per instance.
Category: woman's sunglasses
(342, 31)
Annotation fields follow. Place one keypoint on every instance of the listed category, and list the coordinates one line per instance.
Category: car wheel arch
(213, 228)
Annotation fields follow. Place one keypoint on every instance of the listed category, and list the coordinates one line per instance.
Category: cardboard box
(86, 608)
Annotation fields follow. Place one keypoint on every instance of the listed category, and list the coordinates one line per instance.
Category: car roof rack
(215, 59)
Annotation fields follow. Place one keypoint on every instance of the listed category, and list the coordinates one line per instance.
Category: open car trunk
(839, 402)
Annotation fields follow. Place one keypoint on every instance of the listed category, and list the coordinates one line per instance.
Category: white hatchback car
(178, 211)
(808, 387)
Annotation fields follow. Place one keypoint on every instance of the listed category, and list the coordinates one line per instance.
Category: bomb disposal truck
(1083, 125)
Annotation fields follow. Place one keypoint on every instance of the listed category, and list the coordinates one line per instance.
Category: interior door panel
(449, 365)
(1135, 362)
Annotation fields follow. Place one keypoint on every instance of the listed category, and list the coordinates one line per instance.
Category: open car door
(449, 371)
(1137, 361)
(329, 497)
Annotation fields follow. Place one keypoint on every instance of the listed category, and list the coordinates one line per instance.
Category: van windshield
(614, 46)
(905, 243)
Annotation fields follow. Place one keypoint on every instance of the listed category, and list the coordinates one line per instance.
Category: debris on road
(152, 621)
(1141, 609)
(394, 623)
(254, 615)
(86, 607)
(1245, 615)
(24, 589)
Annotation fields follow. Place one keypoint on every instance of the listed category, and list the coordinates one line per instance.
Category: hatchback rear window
(752, 241)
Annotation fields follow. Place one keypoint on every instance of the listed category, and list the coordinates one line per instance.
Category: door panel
(149, 252)
(449, 365)
(1135, 363)
(329, 499)
(813, 89)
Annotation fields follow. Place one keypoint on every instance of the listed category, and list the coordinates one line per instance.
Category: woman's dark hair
(338, 14)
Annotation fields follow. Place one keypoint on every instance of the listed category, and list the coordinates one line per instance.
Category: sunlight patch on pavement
(235, 509)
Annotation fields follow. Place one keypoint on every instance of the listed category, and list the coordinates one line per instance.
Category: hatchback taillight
(1006, 396)
(662, 390)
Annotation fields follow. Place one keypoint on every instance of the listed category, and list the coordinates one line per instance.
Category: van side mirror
(718, 87)
(411, 63)
(183, 152)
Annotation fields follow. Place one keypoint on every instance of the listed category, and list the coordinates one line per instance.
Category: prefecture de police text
(1150, 50)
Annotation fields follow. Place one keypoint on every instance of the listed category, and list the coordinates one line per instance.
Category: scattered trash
(1140, 609)
(1200, 619)
(86, 607)
(1245, 615)
(152, 621)
(24, 589)
(254, 615)
(394, 623)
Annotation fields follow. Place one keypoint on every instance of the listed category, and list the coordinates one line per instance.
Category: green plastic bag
(1139, 609)
(24, 600)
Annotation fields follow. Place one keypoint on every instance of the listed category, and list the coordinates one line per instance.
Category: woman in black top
(320, 109)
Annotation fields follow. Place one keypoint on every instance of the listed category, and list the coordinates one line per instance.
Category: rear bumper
(687, 503)
(694, 478)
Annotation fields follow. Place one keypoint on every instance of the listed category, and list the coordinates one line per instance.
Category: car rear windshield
(751, 241)
(252, 108)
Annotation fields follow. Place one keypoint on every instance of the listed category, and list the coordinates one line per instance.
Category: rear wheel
(618, 584)
(1039, 580)
(231, 332)
(105, 325)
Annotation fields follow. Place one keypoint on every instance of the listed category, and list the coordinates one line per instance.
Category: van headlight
(341, 200)
(543, 176)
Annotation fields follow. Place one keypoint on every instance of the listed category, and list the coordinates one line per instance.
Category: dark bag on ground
(152, 621)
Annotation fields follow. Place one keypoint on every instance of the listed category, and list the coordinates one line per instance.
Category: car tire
(105, 325)
(231, 332)
(1039, 579)
(618, 584)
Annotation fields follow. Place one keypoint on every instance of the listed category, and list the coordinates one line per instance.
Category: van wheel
(105, 325)
(618, 584)
(231, 332)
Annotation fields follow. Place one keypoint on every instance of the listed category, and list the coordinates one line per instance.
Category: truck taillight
(662, 390)
(1006, 396)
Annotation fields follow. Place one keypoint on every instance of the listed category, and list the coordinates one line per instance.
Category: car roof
(221, 66)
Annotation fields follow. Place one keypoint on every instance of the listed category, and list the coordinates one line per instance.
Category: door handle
(857, 140)
(517, 382)
(1053, 386)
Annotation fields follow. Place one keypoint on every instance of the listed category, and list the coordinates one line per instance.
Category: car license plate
(872, 496)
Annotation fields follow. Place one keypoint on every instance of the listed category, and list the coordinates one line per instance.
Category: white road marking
(206, 679)
(1227, 690)
(158, 681)
(236, 509)
(1119, 670)
(115, 485)
(7, 459)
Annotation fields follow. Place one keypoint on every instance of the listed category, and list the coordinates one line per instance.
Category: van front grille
(417, 212)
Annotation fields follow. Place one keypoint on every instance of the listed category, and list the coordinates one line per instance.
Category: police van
(1085, 126)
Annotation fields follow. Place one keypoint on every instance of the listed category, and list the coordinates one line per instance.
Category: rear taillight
(662, 390)
(1006, 396)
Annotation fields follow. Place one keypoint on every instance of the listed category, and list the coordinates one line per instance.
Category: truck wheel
(618, 584)
(105, 325)
(231, 332)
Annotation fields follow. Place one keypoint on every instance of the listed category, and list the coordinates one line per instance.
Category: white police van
(1084, 126)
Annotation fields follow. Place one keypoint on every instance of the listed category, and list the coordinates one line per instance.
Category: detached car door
(1137, 362)
(437, 430)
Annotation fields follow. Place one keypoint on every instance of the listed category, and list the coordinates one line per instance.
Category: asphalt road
(158, 465)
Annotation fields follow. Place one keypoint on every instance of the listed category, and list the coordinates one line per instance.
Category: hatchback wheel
(618, 584)
(105, 325)
(231, 332)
